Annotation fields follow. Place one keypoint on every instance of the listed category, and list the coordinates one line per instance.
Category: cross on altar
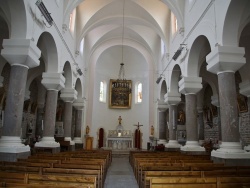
(138, 125)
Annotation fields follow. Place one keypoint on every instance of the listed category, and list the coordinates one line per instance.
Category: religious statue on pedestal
(152, 130)
(87, 130)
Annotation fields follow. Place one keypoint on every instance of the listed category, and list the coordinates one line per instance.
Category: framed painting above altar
(120, 93)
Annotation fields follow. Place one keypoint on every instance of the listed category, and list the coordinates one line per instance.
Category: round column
(228, 107)
(21, 54)
(53, 82)
(79, 121)
(191, 117)
(67, 122)
(14, 102)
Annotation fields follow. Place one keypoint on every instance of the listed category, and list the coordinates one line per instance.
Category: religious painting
(120, 94)
(242, 104)
(214, 110)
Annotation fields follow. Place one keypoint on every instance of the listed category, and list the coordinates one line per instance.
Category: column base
(230, 150)
(230, 153)
(192, 146)
(161, 141)
(247, 148)
(201, 142)
(47, 142)
(173, 144)
(11, 148)
(70, 140)
(78, 140)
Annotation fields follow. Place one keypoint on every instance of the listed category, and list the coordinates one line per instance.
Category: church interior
(113, 93)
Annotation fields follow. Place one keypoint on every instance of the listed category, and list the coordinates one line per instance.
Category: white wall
(136, 69)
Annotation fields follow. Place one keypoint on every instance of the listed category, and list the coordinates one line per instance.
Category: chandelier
(122, 84)
(120, 88)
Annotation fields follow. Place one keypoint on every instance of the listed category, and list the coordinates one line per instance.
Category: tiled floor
(120, 174)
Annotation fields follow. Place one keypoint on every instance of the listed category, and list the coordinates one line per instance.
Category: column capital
(68, 94)
(162, 106)
(172, 98)
(245, 88)
(53, 81)
(190, 85)
(78, 104)
(21, 52)
(225, 59)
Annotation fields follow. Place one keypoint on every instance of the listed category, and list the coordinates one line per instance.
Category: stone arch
(163, 90)
(4, 34)
(67, 73)
(79, 89)
(233, 25)
(174, 79)
(15, 13)
(198, 52)
(49, 52)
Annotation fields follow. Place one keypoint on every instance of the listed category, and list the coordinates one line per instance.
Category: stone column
(224, 61)
(22, 54)
(190, 86)
(245, 90)
(53, 82)
(162, 124)
(215, 101)
(40, 110)
(78, 105)
(68, 96)
(172, 99)
(201, 136)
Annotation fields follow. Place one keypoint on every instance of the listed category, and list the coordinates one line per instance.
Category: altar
(120, 139)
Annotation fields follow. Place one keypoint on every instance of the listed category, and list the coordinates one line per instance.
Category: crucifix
(138, 125)
(138, 136)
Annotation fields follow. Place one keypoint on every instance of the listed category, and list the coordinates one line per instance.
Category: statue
(87, 130)
(181, 117)
(152, 130)
(120, 120)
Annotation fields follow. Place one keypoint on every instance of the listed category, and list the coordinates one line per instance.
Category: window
(174, 23)
(138, 92)
(81, 46)
(102, 95)
(72, 21)
(163, 48)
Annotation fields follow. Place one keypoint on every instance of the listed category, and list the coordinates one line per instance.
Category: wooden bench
(22, 179)
(191, 182)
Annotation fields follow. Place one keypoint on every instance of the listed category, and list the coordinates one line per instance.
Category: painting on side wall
(120, 94)
(242, 103)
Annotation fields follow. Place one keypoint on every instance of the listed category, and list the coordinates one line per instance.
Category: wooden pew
(209, 182)
(22, 179)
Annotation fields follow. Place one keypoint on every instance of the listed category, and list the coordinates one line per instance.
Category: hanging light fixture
(122, 83)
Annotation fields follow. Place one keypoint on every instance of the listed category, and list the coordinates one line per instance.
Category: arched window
(163, 49)
(138, 92)
(174, 23)
(72, 17)
(103, 89)
(81, 46)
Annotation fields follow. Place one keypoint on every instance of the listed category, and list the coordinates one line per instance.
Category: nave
(120, 174)
(101, 169)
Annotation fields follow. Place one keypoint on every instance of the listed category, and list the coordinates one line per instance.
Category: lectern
(89, 143)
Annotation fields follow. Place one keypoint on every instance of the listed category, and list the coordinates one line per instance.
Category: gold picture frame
(120, 94)
(242, 103)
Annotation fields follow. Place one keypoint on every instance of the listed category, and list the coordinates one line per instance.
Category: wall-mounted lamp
(158, 80)
(79, 71)
(44, 12)
(178, 52)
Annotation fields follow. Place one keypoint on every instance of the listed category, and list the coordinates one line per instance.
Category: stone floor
(120, 174)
